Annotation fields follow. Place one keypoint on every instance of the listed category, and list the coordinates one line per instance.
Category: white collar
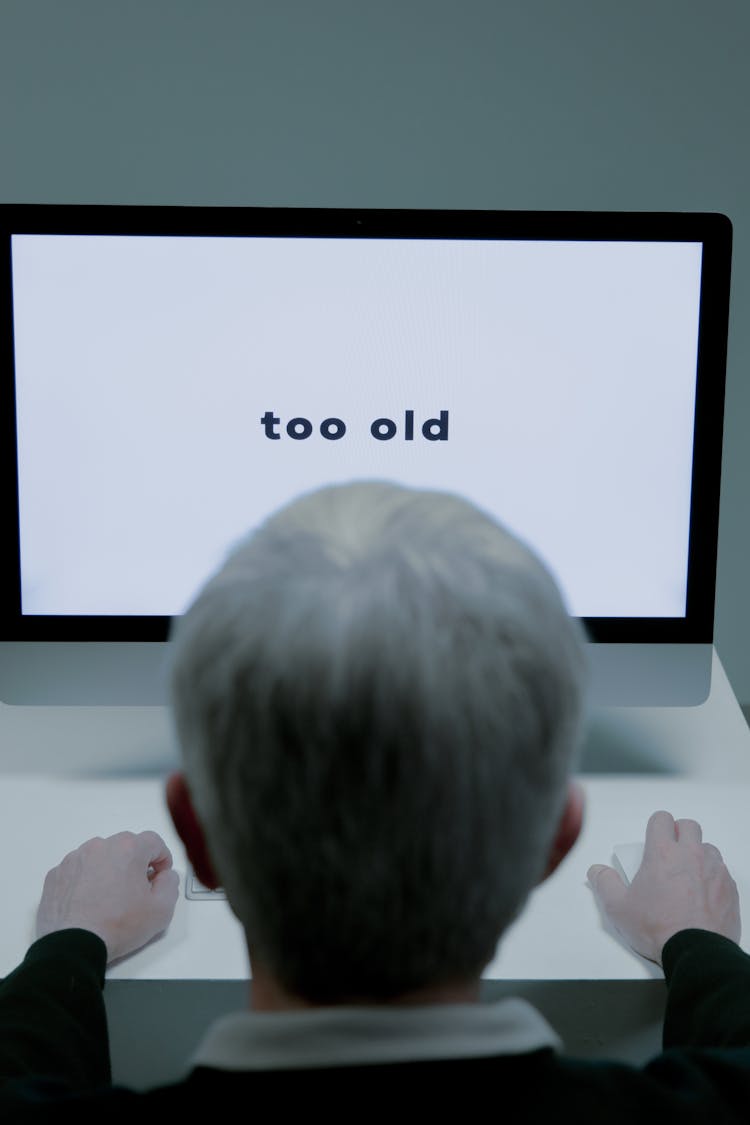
(352, 1036)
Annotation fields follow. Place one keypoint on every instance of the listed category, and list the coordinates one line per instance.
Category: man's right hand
(681, 884)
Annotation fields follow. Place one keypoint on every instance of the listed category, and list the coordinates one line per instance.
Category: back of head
(378, 701)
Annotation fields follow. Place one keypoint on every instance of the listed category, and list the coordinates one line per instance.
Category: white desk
(115, 759)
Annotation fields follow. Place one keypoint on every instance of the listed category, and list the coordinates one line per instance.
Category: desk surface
(699, 766)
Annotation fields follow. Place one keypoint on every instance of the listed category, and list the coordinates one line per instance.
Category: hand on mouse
(681, 884)
(122, 888)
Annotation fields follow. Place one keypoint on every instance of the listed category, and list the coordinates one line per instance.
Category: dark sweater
(54, 1059)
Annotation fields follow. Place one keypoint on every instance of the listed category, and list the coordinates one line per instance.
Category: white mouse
(627, 859)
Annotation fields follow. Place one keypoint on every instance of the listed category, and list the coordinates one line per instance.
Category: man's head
(378, 700)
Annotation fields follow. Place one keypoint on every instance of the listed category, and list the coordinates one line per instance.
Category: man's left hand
(122, 888)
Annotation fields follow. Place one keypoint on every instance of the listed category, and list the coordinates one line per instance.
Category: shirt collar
(353, 1036)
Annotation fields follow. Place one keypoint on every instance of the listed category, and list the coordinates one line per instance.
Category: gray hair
(378, 699)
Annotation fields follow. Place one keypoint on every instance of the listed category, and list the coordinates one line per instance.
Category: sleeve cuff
(76, 945)
(689, 941)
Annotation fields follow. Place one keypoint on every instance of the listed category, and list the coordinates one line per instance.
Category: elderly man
(378, 700)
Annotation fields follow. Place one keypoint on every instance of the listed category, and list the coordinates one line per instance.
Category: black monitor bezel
(713, 230)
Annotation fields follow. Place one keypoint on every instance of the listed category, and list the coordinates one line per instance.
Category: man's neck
(267, 995)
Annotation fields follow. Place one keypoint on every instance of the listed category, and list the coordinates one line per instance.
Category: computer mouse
(627, 859)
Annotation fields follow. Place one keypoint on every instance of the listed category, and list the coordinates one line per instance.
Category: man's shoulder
(542, 1082)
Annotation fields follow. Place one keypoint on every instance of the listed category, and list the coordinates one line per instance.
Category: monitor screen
(174, 375)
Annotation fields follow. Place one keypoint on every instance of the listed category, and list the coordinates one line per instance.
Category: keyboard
(195, 890)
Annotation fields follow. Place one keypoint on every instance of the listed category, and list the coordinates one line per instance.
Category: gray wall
(569, 104)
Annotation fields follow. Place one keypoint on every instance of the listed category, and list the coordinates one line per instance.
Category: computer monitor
(171, 375)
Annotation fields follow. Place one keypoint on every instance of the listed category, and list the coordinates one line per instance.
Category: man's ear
(189, 829)
(568, 828)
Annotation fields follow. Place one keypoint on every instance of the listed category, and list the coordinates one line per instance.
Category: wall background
(586, 104)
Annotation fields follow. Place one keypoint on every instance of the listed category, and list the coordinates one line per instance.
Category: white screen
(144, 366)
